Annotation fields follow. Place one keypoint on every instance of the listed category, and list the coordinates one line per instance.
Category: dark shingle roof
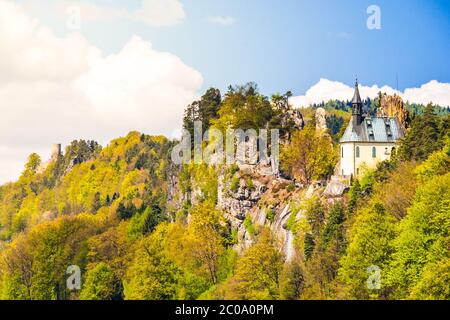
(374, 129)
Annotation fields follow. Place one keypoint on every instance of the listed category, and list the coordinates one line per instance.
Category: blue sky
(291, 44)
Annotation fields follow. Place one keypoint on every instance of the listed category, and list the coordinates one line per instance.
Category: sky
(98, 69)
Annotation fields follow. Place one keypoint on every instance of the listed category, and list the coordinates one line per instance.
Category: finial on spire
(356, 97)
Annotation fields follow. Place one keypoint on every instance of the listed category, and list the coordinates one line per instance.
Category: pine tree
(423, 138)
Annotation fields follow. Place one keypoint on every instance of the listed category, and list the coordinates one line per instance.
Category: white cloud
(152, 12)
(55, 89)
(222, 20)
(433, 91)
(325, 90)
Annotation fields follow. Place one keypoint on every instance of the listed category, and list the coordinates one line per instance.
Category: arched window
(374, 152)
(357, 152)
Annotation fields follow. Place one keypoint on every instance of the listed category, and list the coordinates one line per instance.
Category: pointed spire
(356, 97)
(357, 113)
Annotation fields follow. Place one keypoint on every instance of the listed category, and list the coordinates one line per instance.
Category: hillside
(140, 227)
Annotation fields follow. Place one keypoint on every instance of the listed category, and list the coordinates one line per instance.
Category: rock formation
(56, 153)
(292, 118)
(321, 122)
(392, 106)
(336, 187)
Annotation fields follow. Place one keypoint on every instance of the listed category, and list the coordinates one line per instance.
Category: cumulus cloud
(325, 90)
(152, 12)
(433, 91)
(222, 20)
(56, 89)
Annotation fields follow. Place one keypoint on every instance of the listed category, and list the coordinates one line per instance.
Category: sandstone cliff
(392, 106)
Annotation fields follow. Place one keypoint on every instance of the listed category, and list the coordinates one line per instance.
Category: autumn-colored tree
(205, 238)
(310, 155)
(258, 271)
(397, 193)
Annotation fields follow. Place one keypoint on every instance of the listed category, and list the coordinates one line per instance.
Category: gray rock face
(237, 203)
(321, 122)
(284, 235)
(245, 201)
(278, 226)
(294, 116)
(335, 187)
(256, 195)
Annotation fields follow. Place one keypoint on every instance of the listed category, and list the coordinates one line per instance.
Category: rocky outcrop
(392, 107)
(297, 118)
(265, 203)
(292, 118)
(252, 198)
(336, 187)
(56, 154)
(236, 200)
(321, 121)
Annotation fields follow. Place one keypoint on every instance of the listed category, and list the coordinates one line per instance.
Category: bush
(270, 214)
(233, 169)
(100, 284)
(248, 224)
(250, 183)
(234, 185)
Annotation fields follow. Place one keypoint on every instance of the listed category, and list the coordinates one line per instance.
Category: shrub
(234, 186)
(248, 224)
(270, 214)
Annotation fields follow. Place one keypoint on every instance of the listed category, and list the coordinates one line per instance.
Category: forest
(140, 227)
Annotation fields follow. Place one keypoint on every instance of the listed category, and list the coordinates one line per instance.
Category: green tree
(333, 230)
(203, 110)
(152, 275)
(245, 108)
(34, 161)
(423, 238)
(423, 138)
(205, 239)
(370, 244)
(433, 283)
(291, 281)
(257, 272)
(99, 284)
